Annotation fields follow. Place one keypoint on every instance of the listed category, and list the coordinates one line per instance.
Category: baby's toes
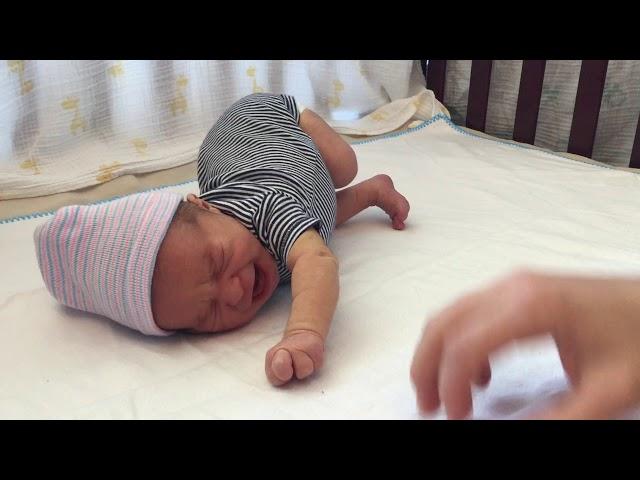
(400, 215)
(397, 222)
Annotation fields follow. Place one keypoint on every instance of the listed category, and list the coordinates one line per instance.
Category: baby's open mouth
(258, 282)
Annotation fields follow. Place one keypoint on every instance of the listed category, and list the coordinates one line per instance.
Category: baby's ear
(198, 202)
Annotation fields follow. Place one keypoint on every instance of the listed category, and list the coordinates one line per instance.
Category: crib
(481, 206)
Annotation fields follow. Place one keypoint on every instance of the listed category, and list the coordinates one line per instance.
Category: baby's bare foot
(391, 201)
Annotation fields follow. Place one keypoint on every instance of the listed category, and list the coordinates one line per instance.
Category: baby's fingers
(303, 364)
(279, 368)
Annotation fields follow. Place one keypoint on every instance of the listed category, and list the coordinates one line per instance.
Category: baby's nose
(233, 292)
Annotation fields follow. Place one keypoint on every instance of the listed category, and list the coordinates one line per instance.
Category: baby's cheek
(170, 314)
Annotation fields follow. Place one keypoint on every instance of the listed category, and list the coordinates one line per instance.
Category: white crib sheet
(479, 209)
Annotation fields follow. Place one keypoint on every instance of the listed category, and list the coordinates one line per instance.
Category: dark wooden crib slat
(634, 162)
(436, 75)
(478, 94)
(587, 107)
(528, 106)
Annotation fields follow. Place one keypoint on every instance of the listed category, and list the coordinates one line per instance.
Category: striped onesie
(257, 165)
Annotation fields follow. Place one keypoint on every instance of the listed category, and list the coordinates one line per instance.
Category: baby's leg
(337, 154)
(342, 164)
(377, 191)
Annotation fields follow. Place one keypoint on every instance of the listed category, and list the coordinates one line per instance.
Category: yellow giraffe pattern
(179, 102)
(334, 100)
(140, 145)
(251, 73)
(106, 172)
(17, 66)
(116, 70)
(361, 68)
(379, 116)
(77, 122)
(31, 164)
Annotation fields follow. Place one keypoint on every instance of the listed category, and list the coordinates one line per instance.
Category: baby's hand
(299, 352)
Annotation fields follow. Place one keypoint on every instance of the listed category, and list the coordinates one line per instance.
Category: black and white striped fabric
(257, 165)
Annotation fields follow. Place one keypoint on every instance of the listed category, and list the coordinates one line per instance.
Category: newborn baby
(268, 172)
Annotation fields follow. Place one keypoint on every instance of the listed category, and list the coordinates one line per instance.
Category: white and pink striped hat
(100, 258)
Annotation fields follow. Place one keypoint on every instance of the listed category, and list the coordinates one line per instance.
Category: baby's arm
(314, 288)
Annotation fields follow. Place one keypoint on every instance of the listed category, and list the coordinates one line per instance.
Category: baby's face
(210, 276)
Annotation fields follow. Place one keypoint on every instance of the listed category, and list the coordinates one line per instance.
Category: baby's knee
(348, 167)
(351, 161)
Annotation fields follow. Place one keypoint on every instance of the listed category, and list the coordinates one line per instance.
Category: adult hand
(595, 324)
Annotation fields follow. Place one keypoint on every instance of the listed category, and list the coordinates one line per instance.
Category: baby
(268, 172)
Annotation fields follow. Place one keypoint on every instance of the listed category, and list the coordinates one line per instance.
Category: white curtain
(70, 124)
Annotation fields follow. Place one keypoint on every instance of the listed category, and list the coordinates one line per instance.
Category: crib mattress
(479, 209)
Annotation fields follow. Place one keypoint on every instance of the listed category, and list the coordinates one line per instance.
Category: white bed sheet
(479, 209)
